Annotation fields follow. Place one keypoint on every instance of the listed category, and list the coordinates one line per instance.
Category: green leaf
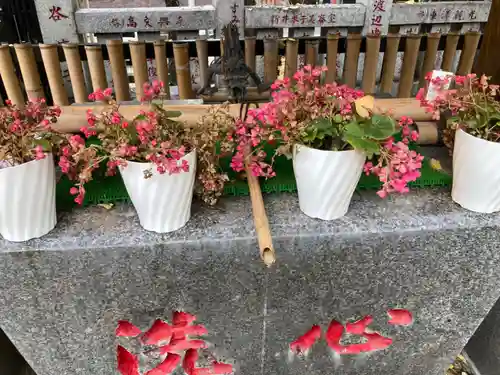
(338, 119)
(321, 123)
(353, 129)
(380, 127)
(46, 145)
(369, 146)
(173, 114)
(132, 131)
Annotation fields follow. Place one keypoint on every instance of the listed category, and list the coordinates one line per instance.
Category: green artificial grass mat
(105, 189)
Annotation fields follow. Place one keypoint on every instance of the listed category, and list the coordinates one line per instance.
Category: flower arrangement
(472, 133)
(168, 346)
(154, 136)
(472, 105)
(25, 133)
(327, 117)
(27, 169)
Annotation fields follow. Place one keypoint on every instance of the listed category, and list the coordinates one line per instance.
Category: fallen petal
(181, 318)
(167, 366)
(128, 364)
(359, 326)
(307, 340)
(400, 317)
(182, 345)
(159, 331)
(202, 371)
(376, 341)
(189, 362)
(219, 368)
(127, 329)
(334, 334)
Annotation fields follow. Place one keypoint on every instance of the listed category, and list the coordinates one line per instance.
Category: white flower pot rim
(318, 150)
(149, 162)
(479, 139)
(28, 162)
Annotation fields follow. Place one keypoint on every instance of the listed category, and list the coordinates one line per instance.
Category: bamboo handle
(260, 220)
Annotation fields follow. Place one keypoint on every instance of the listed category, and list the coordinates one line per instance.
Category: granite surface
(62, 294)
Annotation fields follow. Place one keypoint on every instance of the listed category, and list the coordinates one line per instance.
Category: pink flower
(108, 92)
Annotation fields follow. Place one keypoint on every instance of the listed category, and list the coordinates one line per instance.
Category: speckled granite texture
(61, 295)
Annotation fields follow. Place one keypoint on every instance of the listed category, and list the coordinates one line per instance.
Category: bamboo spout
(260, 219)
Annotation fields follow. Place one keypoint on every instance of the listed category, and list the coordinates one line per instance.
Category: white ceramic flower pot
(476, 175)
(28, 200)
(163, 201)
(326, 180)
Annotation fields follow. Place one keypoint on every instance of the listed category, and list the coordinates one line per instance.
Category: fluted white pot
(326, 180)
(476, 173)
(163, 201)
(28, 200)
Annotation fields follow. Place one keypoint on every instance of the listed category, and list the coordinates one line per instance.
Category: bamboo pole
(270, 60)
(162, 64)
(52, 66)
(311, 57)
(29, 70)
(140, 66)
(292, 56)
(72, 54)
(351, 59)
(389, 64)
(430, 56)
(409, 64)
(73, 116)
(371, 62)
(332, 47)
(202, 51)
(9, 77)
(96, 67)
(449, 51)
(118, 69)
(471, 42)
(428, 133)
(262, 228)
(182, 70)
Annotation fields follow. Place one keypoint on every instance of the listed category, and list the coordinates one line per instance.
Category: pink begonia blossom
(295, 103)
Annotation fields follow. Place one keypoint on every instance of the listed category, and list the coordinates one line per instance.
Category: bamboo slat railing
(20, 69)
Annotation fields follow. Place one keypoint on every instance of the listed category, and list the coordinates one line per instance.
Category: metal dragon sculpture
(232, 68)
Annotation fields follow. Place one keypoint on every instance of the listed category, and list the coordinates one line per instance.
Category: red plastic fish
(127, 329)
(219, 368)
(159, 331)
(167, 366)
(189, 362)
(400, 317)
(358, 327)
(307, 340)
(128, 364)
